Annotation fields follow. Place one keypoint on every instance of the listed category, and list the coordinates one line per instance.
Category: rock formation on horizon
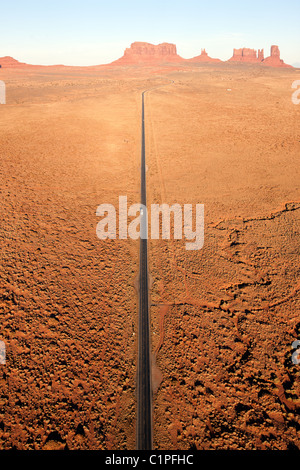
(247, 55)
(261, 55)
(10, 62)
(146, 53)
(253, 56)
(143, 53)
(274, 59)
(204, 57)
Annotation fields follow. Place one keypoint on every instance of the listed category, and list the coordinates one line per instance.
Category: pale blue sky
(90, 32)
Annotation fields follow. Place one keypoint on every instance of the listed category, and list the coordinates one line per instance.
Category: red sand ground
(223, 318)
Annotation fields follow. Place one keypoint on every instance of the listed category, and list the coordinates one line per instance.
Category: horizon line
(113, 62)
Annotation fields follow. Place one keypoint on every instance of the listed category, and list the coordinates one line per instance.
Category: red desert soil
(223, 318)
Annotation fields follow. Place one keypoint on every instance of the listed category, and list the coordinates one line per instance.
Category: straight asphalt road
(144, 386)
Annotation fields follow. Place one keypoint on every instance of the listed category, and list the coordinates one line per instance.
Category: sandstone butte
(253, 56)
(274, 59)
(143, 53)
(203, 57)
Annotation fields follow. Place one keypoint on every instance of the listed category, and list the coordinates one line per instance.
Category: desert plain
(223, 318)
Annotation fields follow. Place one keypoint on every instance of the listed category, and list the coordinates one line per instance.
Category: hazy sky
(91, 32)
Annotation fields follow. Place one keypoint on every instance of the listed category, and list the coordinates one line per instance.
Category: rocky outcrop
(253, 56)
(10, 62)
(247, 55)
(274, 59)
(204, 57)
(260, 55)
(145, 53)
(144, 49)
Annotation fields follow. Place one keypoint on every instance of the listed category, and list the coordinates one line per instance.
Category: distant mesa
(253, 56)
(247, 55)
(149, 54)
(204, 57)
(10, 62)
(146, 53)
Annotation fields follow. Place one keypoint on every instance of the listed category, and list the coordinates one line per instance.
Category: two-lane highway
(144, 386)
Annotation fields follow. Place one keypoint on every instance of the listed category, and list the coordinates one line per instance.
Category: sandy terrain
(68, 304)
(223, 318)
